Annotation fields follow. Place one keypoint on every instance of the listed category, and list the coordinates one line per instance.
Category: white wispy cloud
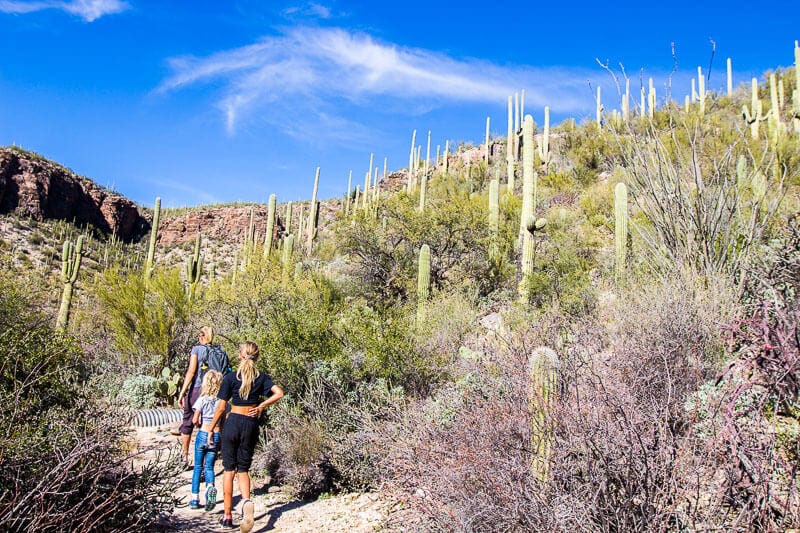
(88, 10)
(309, 70)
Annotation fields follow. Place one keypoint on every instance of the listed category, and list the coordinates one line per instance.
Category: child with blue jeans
(205, 454)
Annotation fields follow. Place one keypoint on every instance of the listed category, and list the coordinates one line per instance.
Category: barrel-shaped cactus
(542, 397)
(620, 228)
(151, 249)
(70, 265)
(423, 281)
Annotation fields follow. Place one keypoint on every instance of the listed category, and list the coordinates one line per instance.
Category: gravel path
(275, 509)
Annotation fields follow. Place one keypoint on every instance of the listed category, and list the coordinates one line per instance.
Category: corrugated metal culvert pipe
(155, 417)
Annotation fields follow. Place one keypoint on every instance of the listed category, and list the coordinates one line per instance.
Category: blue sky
(216, 101)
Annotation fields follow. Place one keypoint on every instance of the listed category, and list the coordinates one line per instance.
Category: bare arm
(187, 379)
(219, 414)
(196, 418)
(277, 394)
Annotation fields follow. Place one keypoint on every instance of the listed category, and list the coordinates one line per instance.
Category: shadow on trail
(276, 513)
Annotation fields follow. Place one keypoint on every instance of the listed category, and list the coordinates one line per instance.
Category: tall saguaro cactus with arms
(70, 265)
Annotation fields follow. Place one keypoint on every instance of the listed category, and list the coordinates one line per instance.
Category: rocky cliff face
(35, 187)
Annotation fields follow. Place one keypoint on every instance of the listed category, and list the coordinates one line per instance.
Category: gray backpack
(215, 358)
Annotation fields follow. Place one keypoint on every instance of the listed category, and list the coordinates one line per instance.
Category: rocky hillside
(40, 189)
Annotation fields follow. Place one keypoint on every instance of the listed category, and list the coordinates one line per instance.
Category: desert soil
(275, 508)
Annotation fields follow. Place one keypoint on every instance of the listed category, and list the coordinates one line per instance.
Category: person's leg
(230, 440)
(248, 509)
(202, 437)
(246, 450)
(187, 426)
(210, 459)
(244, 484)
(227, 492)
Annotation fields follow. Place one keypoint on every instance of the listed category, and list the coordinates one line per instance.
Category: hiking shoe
(194, 504)
(226, 523)
(211, 497)
(248, 509)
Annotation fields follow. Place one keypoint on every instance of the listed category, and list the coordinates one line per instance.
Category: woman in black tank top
(244, 389)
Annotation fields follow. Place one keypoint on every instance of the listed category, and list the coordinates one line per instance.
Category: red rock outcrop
(35, 187)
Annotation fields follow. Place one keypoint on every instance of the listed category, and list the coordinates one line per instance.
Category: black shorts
(239, 439)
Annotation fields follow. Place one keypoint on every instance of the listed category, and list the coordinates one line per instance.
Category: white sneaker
(248, 509)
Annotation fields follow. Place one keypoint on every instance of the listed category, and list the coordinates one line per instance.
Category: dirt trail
(275, 509)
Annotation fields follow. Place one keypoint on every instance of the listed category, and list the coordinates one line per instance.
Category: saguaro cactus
(270, 225)
(151, 249)
(510, 149)
(543, 148)
(70, 265)
(288, 224)
(542, 396)
(312, 215)
(423, 281)
(796, 92)
(730, 77)
(532, 225)
(753, 115)
(528, 173)
(412, 160)
(194, 268)
(286, 258)
(347, 198)
(486, 143)
(626, 100)
(701, 90)
(620, 228)
(494, 216)
(598, 110)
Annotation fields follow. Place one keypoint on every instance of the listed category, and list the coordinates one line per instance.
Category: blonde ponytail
(247, 372)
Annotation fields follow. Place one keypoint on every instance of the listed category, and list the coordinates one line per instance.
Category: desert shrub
(463, 457)
(138, 391)
(706, 200)
(144, 316)
(321, 441)
(63, 464)
(383, 250)
(749, 417)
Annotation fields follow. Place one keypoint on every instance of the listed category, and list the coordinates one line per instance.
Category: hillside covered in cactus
(574, 327)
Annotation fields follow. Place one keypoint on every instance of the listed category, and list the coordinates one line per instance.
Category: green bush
(138, 392)
(144, 316)
(61, 451)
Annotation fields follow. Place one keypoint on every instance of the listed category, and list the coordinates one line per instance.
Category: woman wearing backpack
(244, 390)
(192, 383)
